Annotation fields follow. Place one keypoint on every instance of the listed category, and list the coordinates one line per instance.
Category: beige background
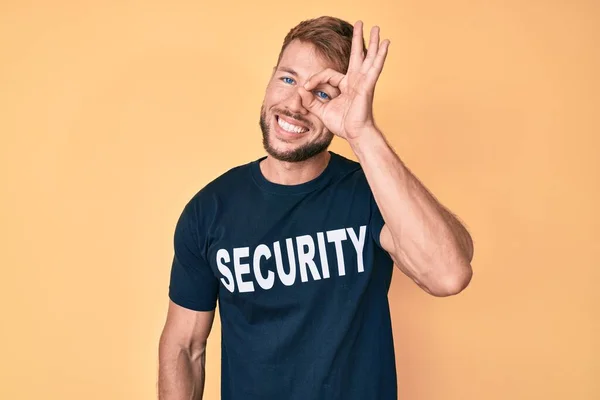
(114, 113)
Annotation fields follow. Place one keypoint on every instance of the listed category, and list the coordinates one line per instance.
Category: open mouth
(290, 127)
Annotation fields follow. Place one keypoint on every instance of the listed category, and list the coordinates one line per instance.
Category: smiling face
(290, 132)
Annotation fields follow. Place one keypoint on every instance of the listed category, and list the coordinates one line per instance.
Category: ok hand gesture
(348, 114)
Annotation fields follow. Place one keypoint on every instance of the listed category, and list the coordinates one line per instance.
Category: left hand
(350, 113)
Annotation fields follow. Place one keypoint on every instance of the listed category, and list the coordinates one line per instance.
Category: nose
(294, 103)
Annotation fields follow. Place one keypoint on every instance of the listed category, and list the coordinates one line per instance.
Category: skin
(425, 240)
(295, 158)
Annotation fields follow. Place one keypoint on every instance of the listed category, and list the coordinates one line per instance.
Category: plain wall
(114, 113)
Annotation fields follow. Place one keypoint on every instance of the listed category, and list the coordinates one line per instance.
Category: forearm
(181, 373)
(428, 240)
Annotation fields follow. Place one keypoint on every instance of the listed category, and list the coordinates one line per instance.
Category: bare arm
(182, 353)
(425, 240)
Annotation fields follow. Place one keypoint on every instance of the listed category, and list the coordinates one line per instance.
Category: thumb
(311, 103)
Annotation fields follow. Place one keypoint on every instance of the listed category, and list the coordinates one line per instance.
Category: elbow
(197, 351)
(193, 349)
(452, 284)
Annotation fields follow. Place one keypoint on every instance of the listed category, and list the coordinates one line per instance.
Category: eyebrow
(288, 70)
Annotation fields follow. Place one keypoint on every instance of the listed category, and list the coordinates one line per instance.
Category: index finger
(327, 76)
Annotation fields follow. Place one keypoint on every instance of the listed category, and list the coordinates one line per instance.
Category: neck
(294, 173)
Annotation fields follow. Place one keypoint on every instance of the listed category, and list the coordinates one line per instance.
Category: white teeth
(289, 127)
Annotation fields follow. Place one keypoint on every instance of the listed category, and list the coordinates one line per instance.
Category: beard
(301, 153)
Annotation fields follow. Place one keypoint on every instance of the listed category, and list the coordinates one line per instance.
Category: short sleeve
(192, 284)
(376, 221)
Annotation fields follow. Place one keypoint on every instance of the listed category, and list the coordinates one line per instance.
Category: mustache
(297, 117)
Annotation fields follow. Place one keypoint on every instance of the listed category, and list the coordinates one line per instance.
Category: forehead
(303, 58)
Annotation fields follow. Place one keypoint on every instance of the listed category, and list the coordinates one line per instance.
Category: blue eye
(322, 95)
(287, 80)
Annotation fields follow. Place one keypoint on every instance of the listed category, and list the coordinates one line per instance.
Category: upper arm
(187, 328)
(387, 243)
(386, 240)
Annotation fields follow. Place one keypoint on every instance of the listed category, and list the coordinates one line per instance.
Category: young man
(299, 246)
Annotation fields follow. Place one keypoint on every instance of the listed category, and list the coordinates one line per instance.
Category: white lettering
(263, 251)
(242, 269)
(305, 258)
(223, 257)
(323, 255)
(337, 236)
(287, 279)
(359, 244)
(268, 265)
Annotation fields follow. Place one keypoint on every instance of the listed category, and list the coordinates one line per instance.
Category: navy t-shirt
(301, 280)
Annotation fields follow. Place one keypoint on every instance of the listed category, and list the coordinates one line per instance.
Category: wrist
(367, 141)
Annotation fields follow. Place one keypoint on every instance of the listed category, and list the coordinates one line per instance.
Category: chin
(295, 152)
(280, 150)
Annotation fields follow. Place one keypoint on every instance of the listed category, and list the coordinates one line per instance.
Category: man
(298, 247)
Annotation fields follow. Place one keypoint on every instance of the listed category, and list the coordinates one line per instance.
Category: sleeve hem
(377, 232)
(192, 305)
